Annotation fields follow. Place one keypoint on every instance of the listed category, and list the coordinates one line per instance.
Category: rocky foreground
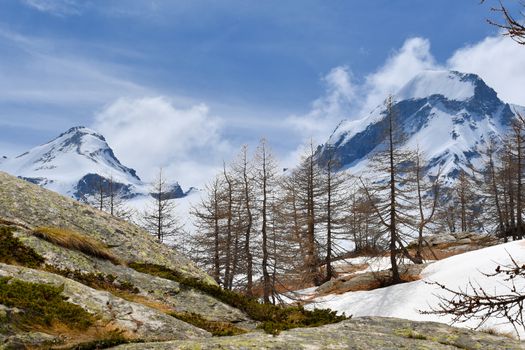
(360, 333)
(135, 292)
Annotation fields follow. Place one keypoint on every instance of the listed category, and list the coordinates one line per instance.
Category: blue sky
(223, 73)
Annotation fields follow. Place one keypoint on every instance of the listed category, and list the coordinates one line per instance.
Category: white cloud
(59, 8)
(345, 100)
(402, 65)
(151, 132)
(499, 61)
(329, 109)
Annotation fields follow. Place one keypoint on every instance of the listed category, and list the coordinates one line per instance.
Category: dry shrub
(76, 241)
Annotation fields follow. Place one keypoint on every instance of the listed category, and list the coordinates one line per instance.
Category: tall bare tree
(159, 217)
(244, 173)
(229, 189)
(265, 166)
(207, 244)
(337, 195)
(388, 191)
(309, 189)
(116, 204)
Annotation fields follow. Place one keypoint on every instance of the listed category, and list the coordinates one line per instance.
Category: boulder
(368, 280)
(465, 240)
(440, 239)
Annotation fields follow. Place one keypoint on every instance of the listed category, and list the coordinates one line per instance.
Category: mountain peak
(447, 115)
(70, 160)
(80, 131)
(450, 84)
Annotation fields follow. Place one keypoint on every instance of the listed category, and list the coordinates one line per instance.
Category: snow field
(407, 299)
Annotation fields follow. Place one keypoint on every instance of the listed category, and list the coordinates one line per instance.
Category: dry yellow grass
(74, 240)
(496, 332)
(75, 339)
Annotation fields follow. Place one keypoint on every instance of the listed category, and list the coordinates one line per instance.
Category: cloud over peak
(151, 132)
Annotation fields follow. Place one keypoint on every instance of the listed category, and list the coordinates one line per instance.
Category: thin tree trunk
(421, 225)
(501, 225)
(519, 214)
(311, 253)
(228, 261)
(159, 208)
(216, 259)
(393, 225)
(266, 275)
(328, 259)
(247, 251)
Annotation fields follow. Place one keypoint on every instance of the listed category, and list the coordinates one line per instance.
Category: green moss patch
(12, 251)
(273, 318)
(219, 329)
(111, 340)
(41, 305)
(98, 281)
(410, 333)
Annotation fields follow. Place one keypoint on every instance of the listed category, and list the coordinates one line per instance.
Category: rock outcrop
(368, 280)
(135, 320)
(364, 333)
(35, 206)
(142, 310)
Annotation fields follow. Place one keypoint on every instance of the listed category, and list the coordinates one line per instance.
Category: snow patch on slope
(405, 300)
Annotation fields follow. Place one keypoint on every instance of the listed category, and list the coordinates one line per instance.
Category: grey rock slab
(166, 291)
(135, 319)
(366, 280)
(364, 333)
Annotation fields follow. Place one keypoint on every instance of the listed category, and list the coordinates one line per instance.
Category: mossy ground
(112, 339)
(98, 281)
(219, 329)
(410, 333)
(273, 318)
(41, 305)
(13, 252)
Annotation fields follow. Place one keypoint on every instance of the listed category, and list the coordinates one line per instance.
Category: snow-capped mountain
(75, 164)
(449, 116)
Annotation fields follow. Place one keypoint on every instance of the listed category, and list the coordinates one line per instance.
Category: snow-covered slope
(405, 300)
(451, 85)
(75, 163)
(447, 115)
